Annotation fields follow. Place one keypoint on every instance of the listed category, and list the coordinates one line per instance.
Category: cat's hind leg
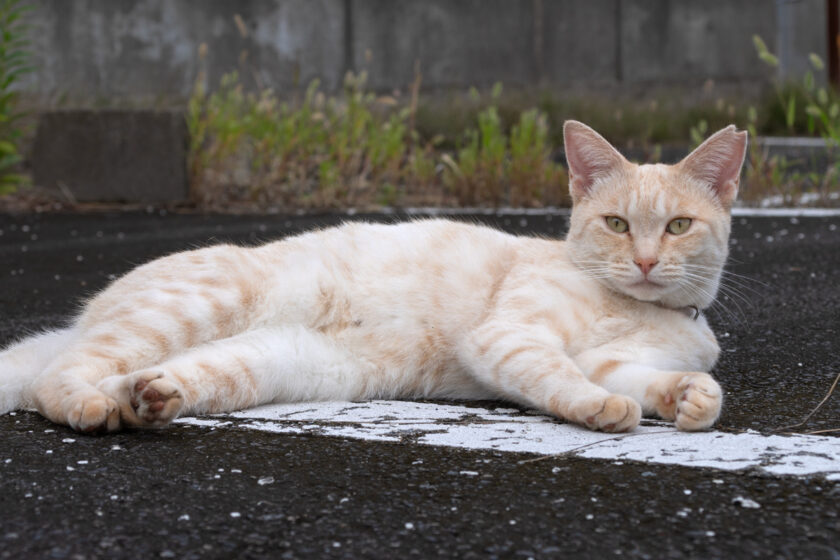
(280, 364)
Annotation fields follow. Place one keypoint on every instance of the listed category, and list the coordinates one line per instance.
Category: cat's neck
(690, 311)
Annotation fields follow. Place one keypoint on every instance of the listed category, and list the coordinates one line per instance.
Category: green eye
(678, 226)
(617, 224)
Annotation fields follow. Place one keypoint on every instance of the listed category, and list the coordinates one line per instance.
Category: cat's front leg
(693, 400)
(526, 365)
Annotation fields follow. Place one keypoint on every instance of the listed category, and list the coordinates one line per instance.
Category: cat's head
(653, 232)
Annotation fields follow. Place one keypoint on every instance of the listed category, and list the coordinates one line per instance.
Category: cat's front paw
(697, 399)
(147, 399)
(614, 413)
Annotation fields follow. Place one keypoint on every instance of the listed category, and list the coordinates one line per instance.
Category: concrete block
(581, 42)
(684, 42)
(112, 156)
(802, 30)
(457, 42)
(148, 49)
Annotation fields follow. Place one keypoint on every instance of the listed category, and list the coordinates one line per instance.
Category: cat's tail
(20, 363)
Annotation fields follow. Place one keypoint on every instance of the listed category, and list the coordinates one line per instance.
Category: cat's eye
(678, 226)
(617, 224)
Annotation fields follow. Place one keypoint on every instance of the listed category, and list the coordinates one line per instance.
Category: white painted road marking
(506, 429)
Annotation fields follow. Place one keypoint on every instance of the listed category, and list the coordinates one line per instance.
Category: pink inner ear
(718, 162)
(588, 156)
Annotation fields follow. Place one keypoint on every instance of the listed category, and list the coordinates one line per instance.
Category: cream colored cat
(595, 330)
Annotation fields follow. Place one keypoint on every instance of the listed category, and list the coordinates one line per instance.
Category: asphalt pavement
(193, 491)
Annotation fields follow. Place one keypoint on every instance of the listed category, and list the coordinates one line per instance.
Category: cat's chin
(645, 291)
(656, 292)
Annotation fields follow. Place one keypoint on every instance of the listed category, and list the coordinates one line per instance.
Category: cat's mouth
(645, 289)
(647, 283)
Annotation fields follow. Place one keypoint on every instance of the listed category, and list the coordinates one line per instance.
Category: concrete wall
(122, 50)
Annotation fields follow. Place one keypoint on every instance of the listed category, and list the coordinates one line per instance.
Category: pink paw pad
(154, 399)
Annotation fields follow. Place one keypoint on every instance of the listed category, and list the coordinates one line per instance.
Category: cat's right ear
(589, 158)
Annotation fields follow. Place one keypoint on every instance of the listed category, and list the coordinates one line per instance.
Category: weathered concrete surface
(581, 42)
(141, 49)
(456, 43)
(112, 156)
(801, 29)
(125, 50)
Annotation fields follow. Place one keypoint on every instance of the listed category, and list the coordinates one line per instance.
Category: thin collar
(690, 311)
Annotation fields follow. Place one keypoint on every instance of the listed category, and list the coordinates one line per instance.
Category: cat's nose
(646, 265)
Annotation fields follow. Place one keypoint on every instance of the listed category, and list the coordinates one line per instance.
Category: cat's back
(422, 249)
(419, 274)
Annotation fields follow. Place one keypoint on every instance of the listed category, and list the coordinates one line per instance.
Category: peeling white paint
(506, 429)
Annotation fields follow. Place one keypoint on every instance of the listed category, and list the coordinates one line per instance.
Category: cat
(596, 329)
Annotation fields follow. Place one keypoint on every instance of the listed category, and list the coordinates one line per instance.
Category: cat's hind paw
(92, 412)
(147, 399)
(698, 399)
(614, 413)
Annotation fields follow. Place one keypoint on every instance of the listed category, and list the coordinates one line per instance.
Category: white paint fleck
(265, 480)
(68, 440)
(235, 514)
(745, 502)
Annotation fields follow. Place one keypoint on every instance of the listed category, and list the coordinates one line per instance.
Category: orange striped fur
(589, 329)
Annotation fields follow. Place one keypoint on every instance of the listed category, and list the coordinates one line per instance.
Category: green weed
(358, 149)
(14, 63)
(806, 108)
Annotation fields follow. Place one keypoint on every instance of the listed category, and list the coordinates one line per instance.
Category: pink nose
(645, 265)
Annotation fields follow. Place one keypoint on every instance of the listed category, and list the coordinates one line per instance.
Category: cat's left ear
(718, 162)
